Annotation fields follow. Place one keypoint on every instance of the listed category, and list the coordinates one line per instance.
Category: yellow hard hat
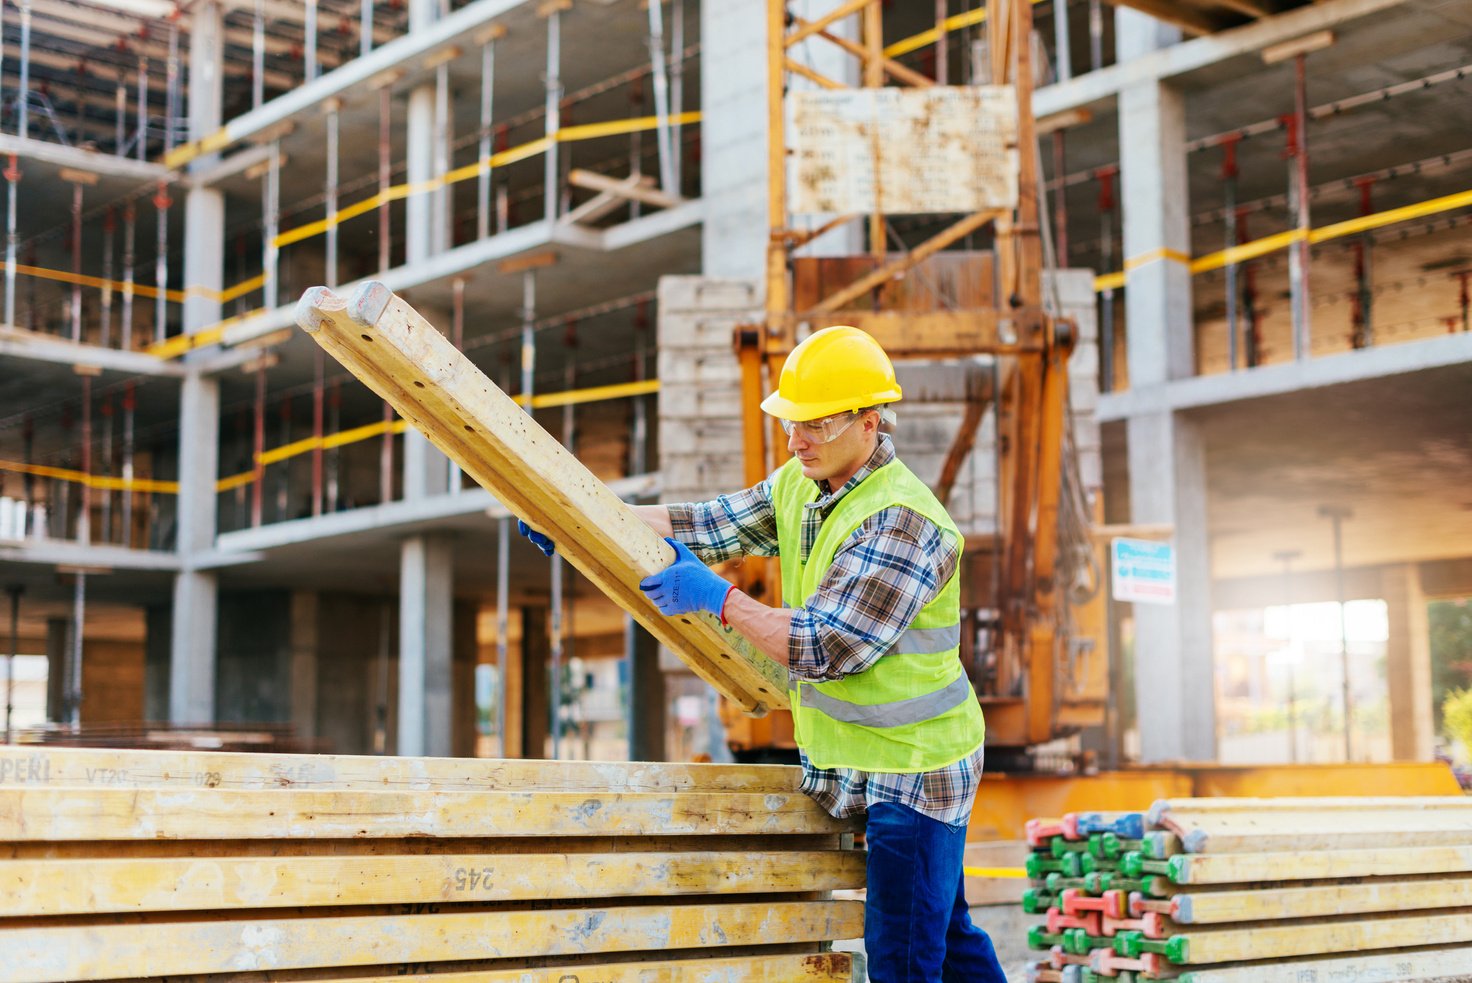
(836, 369)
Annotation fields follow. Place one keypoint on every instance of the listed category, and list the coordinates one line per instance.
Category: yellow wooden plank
(31, 766)
(397, 353)
(1269, 903)
(1403, 964)
(44, 814)
(1342, 830)
(1246, 868)
(93, 886)
(97, 952)
(818, 967)
(1341, 935)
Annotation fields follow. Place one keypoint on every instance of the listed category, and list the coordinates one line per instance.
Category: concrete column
(1157, 233)
(1137, 33)
(425, 612)
(192, 641)
(733, 132)
(647, 697)
(1174, 681)
(1408, 664)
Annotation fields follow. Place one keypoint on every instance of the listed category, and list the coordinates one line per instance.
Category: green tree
(1457, 718)
(1451, 651)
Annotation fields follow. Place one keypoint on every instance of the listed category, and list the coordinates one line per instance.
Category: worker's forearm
(766, 627)
(657, 516)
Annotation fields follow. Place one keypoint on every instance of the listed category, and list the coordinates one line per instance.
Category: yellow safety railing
(307, 445)
(924, 39)
(1282, 240)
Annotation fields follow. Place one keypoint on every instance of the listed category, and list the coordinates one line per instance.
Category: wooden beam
(819, 79)
(1242, 868)
(94, 887)
(890, 67)
(400, 355)
(83, 767)
(930, 334)
(960, 449)
(630, 187)
(889, 270)
(1402, 964)
(809, 28)
(54, 815)
(1310, 938)
(801, 967)
(1353, 898)
(98, 952)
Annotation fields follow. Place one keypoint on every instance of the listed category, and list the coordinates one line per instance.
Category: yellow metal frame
(1032, 348)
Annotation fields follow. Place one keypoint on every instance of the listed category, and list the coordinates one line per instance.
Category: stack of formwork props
(147, 865)
(1255, 891)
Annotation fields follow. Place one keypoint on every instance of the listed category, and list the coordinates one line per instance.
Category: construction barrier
(141, 865)
(1297, 890)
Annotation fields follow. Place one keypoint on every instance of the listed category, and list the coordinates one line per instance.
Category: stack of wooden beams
(1255, 891)
(118, 865)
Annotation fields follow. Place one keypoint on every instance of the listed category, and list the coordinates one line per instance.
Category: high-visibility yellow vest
(912, 711)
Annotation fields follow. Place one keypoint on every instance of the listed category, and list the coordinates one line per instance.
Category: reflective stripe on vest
(897, 714)
(927, 641)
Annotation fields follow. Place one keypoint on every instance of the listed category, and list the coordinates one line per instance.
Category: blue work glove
(541, 542)
(686, 585)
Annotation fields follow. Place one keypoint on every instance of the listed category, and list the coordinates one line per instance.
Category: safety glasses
(824, 430)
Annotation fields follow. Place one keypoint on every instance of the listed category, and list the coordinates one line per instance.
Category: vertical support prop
(14, 591)
(677, 90)
(365, 26)
(1062, 46)
(1229, 219)
(171, 84)
(121, 102)
(309, 55)
(319, 373)
(12, 241)
(258, 448)
(142, 108)
(334, 112)
(1298, 259)
(1060, 200)
(1106, 260)
(457, 338)
(873, 77)
(1364, 335)
(483, 177)
(942, 43)
(130, 404)
(109, 233)
(384, 176)
(130, 236)
(76, 299)
(553, 113)
(661, 96)
(161, 202)
(23, 94)
(258, 57)
(270, 261)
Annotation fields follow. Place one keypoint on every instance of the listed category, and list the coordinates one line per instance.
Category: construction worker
(884, 716)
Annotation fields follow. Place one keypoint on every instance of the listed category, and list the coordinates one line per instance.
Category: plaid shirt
(893, 565)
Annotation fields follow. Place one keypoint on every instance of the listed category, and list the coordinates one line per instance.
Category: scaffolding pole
(386, 457)
(553, 114)
(283, 473)
(1060, 200)
(130, 232)
(12, 241)
(23, 95)
(310, 54)
(130, 403)
(142, 108)
(677, 90)
(1106, 261)
(109, 233)
(76, 299)
(334, 112)
(161, 264)
(258, 447)
(1062, 48)
(171, 85)
(661, 97)
(1096, 35)
(334, 424)
(258, 57)
(120, 124)
(319, 372)
(457, 338)
(441, 235)
(941, 43)
(483, 179)
(385, 176)
(1229, 206)
(108, 454)
(270, 289)
(14, 591)
(1363, 273)
(1298, 257)
(503, 604)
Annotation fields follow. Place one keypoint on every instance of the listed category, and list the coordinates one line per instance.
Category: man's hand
(539, 540)
(686, 585)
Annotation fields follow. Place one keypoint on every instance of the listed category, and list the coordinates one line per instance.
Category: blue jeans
(916, 925)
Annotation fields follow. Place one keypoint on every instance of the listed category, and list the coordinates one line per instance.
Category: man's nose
(795, 440)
